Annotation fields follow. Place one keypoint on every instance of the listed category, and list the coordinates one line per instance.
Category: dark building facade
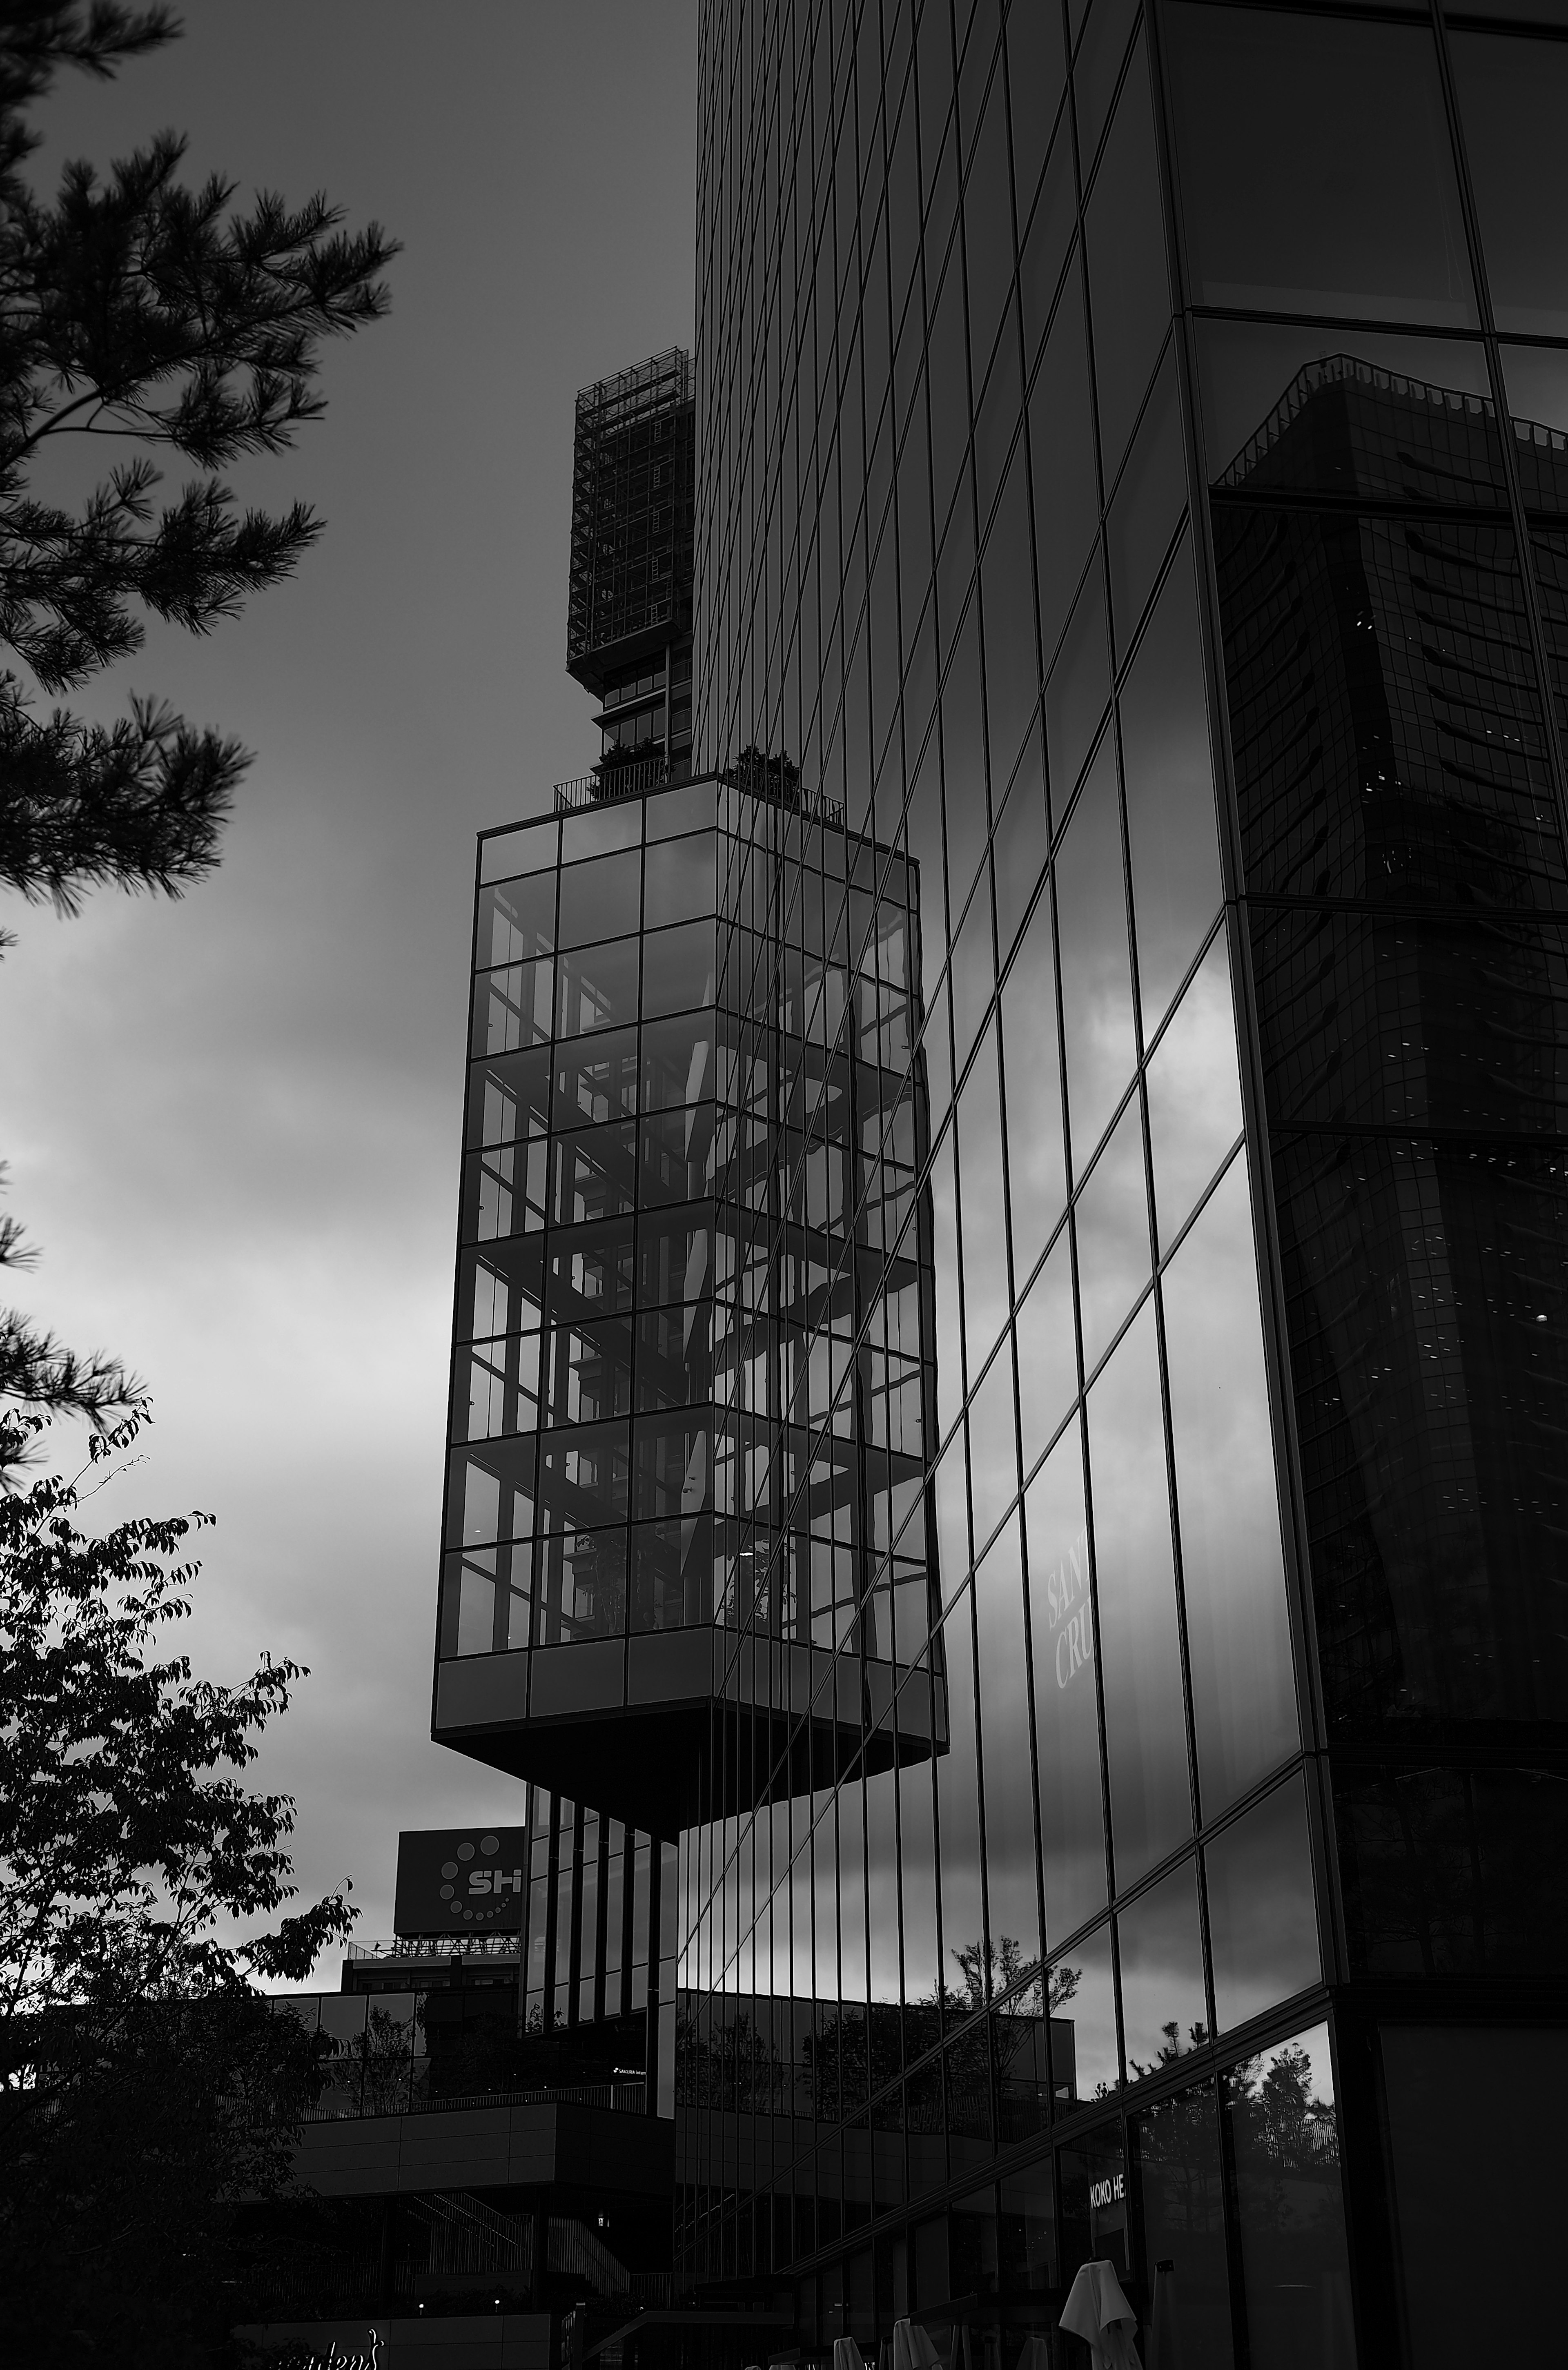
(1131, 487)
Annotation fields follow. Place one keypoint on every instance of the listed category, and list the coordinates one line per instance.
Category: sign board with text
(461, 1880)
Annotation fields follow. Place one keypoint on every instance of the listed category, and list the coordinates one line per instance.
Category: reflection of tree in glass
(383, 2050)
(1171, 2049)
(1275, 2113)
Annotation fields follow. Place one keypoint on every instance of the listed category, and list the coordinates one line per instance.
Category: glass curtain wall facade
(1131, 487)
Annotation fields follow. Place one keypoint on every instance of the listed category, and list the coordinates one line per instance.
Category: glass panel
(1031, 1065)
(1012, 662)
(532, 849)
(1128, 282)
(1048, 1353)
(1066, 491)
(1077, 690)
(678, 883)
(1195, 1093)
(509, 1097)
(1135, 1591)
(595, 1174)
(1012, 1897)
(1164, 2013)
(582, 1587)
(1444, 686)
(600, 899)
(597, 988)
(596, 1080)
(1084, 2059)
(1172, 835)
(677, 1156)
(677, 969)
(1338, 133)
(958, 1812)
(1262, 1917)
(1232, 1564)
(1279, 2109)
(1149, 500)
(1512, 97)
(600, 830)
(1097, 988)
(1067, 1716)
(516, 922)
(677, 1061)
(986, 1298)
(1017, 851)
(1430, 1308)
(1111, 1226)
(1027, 2231)
(1257, 376)
(1179, 2186)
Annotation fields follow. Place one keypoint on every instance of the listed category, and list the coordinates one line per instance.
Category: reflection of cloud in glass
(1195, 1093)
(1145, 1723)
(1233, 1574)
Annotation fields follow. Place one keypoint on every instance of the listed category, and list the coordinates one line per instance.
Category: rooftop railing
(443, 1947)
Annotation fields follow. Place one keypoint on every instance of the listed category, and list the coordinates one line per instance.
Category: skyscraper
(1115, 1725)
(1131, 482)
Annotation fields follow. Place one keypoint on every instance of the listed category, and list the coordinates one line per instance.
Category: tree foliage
(141, 316)
(146, 2084)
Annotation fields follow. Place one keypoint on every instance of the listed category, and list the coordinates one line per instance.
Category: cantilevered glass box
(693, 1129)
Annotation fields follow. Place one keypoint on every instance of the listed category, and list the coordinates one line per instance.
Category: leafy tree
(146, 2084)
(142, 317)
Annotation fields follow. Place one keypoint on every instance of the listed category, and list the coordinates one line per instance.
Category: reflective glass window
(1361, 392)
(1061, 437)
(596, 1080)
(595, 1174)
(505, 854)
(1195, 1093)
(993, 1455)
(1232, 1563)
(1512, 97)
(1012, 663)
(678, 880)
(1066, 1714)
(1097, 988)
(1036, 69)
(1164, 2012)
(1048, 1353)
(1172, 834)
(1111, 1224)
(1150, 496)
(1012, 1894)
(985, 1295)
(1085, 2061)
(582, 1592)
(1179, 2186)
(1336, 130)
(1262, 1916)
(587, 1372)
(1129, 285)
(677, 969)
(1145, 1741)
(1047, 234)
(1076, 690)
(1096, 68)
(600, 830)
(1031, 1064)
(516, 921)
(1284, 2141)
(597, 988)
(1017, 851)
(600, 899)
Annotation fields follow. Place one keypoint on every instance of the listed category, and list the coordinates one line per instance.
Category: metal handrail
(627, 781)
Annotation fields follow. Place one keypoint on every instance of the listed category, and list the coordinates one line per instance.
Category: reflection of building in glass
(1402, 848)
(629, 625)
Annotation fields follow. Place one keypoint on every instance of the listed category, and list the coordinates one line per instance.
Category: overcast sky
(232, 1122)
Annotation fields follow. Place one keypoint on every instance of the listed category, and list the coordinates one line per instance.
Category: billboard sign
(461, 1880)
